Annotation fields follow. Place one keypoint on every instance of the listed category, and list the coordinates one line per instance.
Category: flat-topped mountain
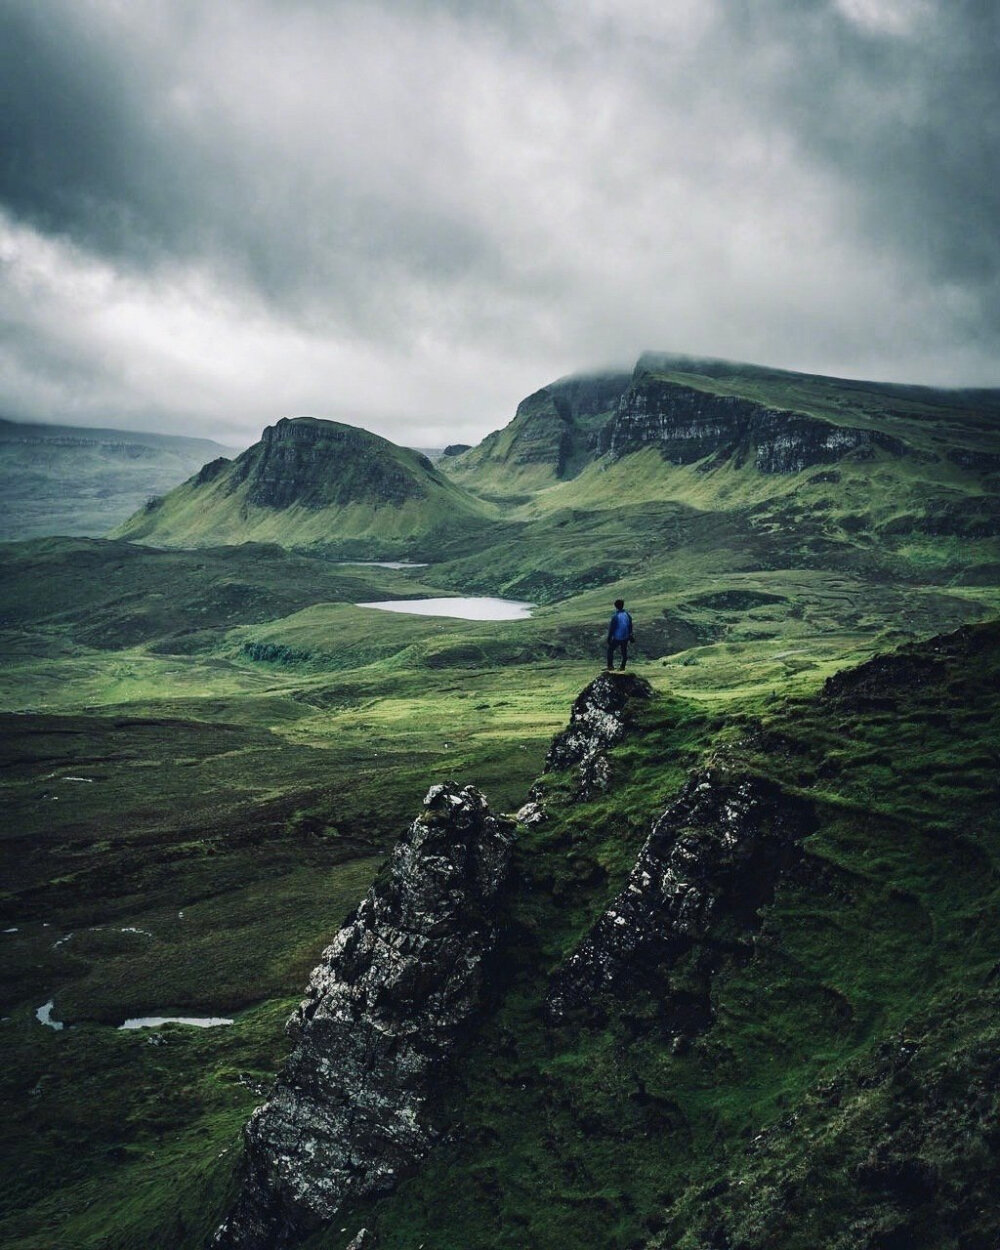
(715, 413)
(65, 479)
(307, 481)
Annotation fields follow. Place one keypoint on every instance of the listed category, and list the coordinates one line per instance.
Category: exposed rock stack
(384, 1011)
(598, 720)
(708, 866)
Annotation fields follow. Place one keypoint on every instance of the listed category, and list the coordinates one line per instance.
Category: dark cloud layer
(410, 214)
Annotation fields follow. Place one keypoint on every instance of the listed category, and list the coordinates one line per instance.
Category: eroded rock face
(598, 720)
(316, 464)
(708, 866)
(687, 425)
(383, 1013)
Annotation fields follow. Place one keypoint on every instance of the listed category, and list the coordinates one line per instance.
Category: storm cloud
(409, 215)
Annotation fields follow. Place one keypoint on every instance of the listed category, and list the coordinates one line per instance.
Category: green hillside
(766, 468)
(551, 438)
(813, 1067)
(309, 482)
(209, 747)
(63, 479)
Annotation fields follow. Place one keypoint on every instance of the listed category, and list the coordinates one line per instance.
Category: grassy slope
(254, 742)
(829, 1101)
(220, 510)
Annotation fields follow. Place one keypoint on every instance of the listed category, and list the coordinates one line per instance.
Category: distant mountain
(710, 465)
(552, 436)
(62, 479)
(309, 482)
(714, 413)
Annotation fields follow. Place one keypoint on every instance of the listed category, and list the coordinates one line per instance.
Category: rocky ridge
(384, 1012)
(554, 430)
(308, 481)
(708, 866)
(292, 464)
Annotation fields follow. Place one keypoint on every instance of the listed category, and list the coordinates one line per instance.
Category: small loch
(44, 1015)
(384, 564)
(466, 608)
(154, 1022)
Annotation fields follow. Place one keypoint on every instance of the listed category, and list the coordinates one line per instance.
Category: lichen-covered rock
(532, 813)
(709, 864)
(383, 1013)
(598, 720)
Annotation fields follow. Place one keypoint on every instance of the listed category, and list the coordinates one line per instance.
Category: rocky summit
(599, 718)
(384, 1012)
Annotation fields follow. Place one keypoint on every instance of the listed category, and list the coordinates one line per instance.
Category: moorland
(209, 748)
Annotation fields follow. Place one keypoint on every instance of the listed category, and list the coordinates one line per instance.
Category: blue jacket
(620, 628)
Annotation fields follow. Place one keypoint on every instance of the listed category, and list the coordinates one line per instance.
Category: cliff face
(308, 481)
(320, 463)
(553, 433)
(384, 1012)
(687, 425)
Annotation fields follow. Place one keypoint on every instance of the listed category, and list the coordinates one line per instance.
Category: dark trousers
(611, 652)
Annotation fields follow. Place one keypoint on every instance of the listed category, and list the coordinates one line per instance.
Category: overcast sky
(408, 215)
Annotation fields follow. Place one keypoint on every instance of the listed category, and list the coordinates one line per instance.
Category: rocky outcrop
(687, 425)
(319, 463)
(209, 472)
(694, 894)
(599, 719)
(383, 1014)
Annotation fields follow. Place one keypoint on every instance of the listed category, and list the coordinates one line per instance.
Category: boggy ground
(205, 756)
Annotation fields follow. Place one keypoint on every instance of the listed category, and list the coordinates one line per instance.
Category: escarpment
(686, 425)
(316, 464)
(384, 1012)
(709, 864)
(306, 482)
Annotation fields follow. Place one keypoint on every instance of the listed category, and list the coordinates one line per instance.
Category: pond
(466, 608)
(44, 1015)
(383, 564)
(154, 1022)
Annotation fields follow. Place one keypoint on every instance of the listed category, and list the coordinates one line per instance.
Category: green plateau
(209, 748)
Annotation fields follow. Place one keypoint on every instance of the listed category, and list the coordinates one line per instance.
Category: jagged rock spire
(383, 1013)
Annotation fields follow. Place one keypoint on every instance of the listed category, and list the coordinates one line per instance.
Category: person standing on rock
(619, 634)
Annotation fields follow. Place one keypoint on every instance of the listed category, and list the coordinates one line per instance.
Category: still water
(154, 1022)
(383, 564)
(476, 608)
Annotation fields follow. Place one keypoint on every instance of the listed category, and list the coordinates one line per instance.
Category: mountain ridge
(79, 480)
(540, 448)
